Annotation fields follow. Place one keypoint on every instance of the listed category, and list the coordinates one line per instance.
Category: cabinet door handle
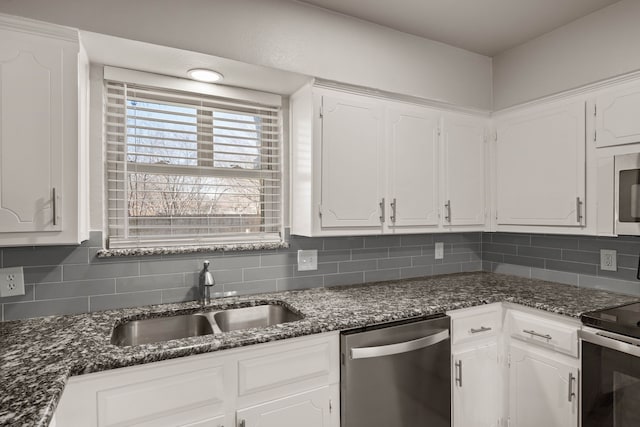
(53, 206)
(393, 210)
(481, 329)
(447, 207)
(381, 204)
(458, 365)
(578, 210)
(571, 392)
(242, 423)
(534, 333)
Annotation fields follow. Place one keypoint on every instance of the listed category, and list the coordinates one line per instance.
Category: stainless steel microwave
(627, 193)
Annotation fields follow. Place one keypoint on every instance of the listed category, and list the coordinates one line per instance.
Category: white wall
(285, 35)
(603, 44)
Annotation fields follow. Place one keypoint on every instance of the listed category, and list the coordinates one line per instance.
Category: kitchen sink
(254, 317)
(160, 329)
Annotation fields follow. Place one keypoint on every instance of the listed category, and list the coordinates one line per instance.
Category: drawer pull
(571, 392)
(481, 329)
(534, 333)
(458, 378)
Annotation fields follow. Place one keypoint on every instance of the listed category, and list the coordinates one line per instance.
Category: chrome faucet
(206, 283)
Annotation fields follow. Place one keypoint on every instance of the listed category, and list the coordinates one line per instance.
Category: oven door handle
(402, 347)
(623, 344)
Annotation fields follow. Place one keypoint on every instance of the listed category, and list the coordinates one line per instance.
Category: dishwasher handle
(439, 335)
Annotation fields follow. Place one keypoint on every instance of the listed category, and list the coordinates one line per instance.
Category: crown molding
(31, 26)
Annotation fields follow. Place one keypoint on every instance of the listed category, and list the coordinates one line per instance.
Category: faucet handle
(206, 265)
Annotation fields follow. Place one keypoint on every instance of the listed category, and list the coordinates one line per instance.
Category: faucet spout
(206, 283)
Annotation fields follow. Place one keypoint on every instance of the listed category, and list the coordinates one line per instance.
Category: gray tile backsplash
(69, 279)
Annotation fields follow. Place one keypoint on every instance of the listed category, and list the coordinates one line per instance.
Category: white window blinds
(185, 169)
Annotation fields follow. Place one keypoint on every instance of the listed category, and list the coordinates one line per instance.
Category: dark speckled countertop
(37, 356)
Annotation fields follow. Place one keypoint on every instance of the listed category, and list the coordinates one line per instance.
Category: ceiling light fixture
(204, 75)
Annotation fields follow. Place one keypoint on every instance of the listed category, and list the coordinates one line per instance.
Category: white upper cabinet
(41, 189)
(463, 155)
(413, 166)
(616, 113)
(352, 138)
(540, 166)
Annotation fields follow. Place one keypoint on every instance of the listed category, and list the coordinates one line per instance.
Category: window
(188, 169)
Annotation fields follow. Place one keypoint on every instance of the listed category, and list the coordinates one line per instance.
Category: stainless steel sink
(254, 317)
(160, 329)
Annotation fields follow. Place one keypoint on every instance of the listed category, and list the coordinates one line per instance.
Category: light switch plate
(307, 260)
(608, 260)
(439, 250)
(11, 282)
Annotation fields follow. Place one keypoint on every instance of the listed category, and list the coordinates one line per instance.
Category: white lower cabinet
(285, 383)
(543, 389)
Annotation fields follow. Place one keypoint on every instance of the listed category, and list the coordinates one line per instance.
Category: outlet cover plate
(608, 260)
(439, 250)
(307, 260)
(11, 282)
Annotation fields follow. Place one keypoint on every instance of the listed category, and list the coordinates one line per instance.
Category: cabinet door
(31, 132)
(352, 137)
(309, 409)
(542, 391)
(616, 116)
(413, 167)
(540, 158)
(464, 173)
(476, 386)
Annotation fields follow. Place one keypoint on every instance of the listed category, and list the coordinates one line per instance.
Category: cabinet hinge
(321, 112)
(320, 210)
(595, 135)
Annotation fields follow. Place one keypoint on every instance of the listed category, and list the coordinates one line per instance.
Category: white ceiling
(135, 55)
(487, 27)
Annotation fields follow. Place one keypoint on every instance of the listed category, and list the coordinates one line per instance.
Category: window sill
(177, 250)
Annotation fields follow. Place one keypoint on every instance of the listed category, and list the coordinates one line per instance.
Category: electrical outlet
(307, 260)
(11, 282)
(608, 261)
(439, 250)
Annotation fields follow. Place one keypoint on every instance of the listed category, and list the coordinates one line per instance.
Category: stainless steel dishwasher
(397, 375)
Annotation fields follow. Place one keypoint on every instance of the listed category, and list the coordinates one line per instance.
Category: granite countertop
(37, 356)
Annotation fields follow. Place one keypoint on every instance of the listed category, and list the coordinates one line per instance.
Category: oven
(611, 368)
(627, 194)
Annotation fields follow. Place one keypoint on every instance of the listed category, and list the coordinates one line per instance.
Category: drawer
(544, 332)
(475, 323)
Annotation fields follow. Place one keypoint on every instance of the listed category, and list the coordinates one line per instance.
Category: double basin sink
(167, 328)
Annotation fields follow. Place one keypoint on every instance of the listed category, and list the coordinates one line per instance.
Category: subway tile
(384, 264)
(149, 283)
(492, 257)
(487, 266)
(331, 243)
(554, 242)
(180, 295)
(471, 266)
(28, 296)
(581, 256)
(43, 274)
(446, 268)
(375, 253)
(263, 273)
(99, 271)
(324, 268)
(235, 261)
(515, 270)
(220, 277)
(334, 256)
(608, 284)
(416, 239)
(48, 255)
(134, 299)
(423, 260)
(571, 267)
(299, 242)
(622, 247)
(381, 275)
(289, 283)
(621, 274)
(95, 240)
(150, 268)
(487, 237)
(511, 238)
(522, 260)
(405, 251)
(536, 252)
(364, 265)
(344, 279)
(255, 287)
(554, 276)
(499, 248)
(381, 241)
(25, 310)
(466, 247)
(288, 258)
(469, 237)
(420, 271)
(463, 257)
(626, 261)
(75, 289)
